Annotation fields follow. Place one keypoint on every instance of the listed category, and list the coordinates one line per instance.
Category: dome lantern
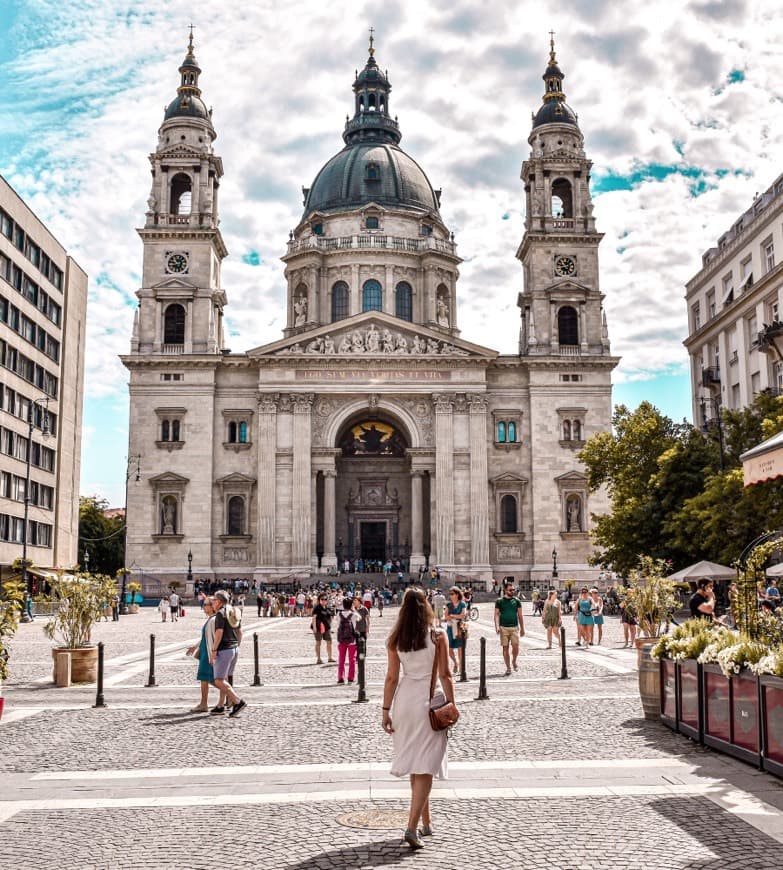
(371, 121)
(188, 102)
(555, 109)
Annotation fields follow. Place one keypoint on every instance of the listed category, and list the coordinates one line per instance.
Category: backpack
(345, 630)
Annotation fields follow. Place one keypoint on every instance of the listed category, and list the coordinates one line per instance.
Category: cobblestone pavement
(548, 773)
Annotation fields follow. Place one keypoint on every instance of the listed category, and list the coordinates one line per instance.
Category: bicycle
(473, 613)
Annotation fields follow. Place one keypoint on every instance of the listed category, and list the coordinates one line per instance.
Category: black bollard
(361, 698)
(482, 693)
(463, 664)
(99, 702)
(256, 675)
(151, 682)
(563, 667)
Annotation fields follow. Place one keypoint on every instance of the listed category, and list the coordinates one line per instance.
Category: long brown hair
(413, 622)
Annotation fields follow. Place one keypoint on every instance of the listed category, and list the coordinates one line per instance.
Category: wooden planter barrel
(649, 678)
(84, 663)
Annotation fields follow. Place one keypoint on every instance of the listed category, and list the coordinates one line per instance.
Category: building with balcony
(43, 304)
(732, 300)
(372, 429)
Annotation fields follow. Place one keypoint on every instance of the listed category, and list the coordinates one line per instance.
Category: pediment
(169, 478)
(373, 334)
(568, 286)
(572, 477)
(236, 478)
(508, 479)
(176, 284)
(180, 150)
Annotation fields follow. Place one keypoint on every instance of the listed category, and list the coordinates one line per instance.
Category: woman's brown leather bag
(443, 714)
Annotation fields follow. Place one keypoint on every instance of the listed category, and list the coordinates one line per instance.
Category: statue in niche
(328, 344)
(387, 340)
(169, 515)
(357, 342)
(300, 311)
(345, 344)
(443, 312)
(373, 340)
(573, 514)
(418, 345)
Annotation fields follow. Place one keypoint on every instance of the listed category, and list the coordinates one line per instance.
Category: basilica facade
(372, 429)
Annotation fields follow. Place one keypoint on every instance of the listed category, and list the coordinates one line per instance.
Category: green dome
(366, 172)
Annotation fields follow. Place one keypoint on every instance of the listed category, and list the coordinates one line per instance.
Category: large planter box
(716, 698)
(689, 696)
(771, 700)
(731, 714)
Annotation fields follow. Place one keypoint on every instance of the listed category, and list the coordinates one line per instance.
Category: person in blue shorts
(455, 613)
(583, 614)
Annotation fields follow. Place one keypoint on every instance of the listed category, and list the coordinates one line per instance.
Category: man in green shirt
(509, 624)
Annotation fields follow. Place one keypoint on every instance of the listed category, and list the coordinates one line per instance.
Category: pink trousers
(349, 649)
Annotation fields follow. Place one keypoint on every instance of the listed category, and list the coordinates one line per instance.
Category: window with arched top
(567, 326)
(339, 301)
(242, 432)
(566, 430)
(174, 324)
(576, 430)
(165, 431)
(501, 433)
(236, 515)
(562, 199)
(232, 432)
(181, 187)
(508, 514)
(404, 301)
(512, 431)
(372, 172)
(175, 430)
(372, 296)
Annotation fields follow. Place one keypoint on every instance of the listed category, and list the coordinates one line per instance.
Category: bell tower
(561, 305)
(181, 301)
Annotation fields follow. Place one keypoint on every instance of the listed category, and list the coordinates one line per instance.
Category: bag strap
(435, 635)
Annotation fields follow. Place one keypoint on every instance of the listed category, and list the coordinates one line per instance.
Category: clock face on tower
(176, 263)
(565, 267)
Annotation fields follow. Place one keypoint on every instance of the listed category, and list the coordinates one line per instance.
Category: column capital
(443, 403)
(267, 402)
(477, 403)
(302, 402)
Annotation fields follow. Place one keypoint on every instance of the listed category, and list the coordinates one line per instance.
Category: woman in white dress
(419, 752)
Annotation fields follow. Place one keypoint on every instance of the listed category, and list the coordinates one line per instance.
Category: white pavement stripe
(370, 793)
(363, 767)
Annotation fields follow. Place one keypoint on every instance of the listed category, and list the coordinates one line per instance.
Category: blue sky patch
(252, 258)
(736, 75)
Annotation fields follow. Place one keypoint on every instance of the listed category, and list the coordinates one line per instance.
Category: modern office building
(738, 291)
(43, 305)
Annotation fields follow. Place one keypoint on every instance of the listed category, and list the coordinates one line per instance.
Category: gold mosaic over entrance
(374, 820)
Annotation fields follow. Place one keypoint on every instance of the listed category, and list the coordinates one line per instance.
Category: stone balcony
(366, 241)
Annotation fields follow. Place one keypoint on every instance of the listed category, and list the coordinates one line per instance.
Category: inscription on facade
(372, 375)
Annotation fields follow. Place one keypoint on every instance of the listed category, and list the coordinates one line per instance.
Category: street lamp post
(190, 567)
(133, 460)
(86, 561)
(554, 563)
(26, 582)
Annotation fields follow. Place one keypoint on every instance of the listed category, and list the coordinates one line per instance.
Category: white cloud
(85, 83)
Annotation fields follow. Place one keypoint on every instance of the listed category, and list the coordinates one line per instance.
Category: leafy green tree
(102, 536)
(627, 462)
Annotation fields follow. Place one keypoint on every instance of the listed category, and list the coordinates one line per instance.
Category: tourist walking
(509, 624)
(552, 617)
(347, 635)
(163, 609)
(629, 624)
(597, 611)
(205, 673)
(583, 614)
(363, 614)
(174, 606)
(322, 628)
(438, 604)
(455, 614)
(419, 752)
(224, 655)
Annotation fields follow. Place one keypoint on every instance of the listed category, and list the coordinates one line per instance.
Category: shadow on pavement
(381, 854)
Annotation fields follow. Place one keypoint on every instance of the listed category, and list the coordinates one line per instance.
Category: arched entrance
(373, 492)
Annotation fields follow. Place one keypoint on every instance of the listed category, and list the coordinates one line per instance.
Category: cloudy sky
(681, 106)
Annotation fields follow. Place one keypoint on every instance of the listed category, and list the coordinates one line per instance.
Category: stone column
(330, 556)
(301, 514)
(388, 291)
(267, 478)
(355, 293)
(583, 337)
(444, 478)
(417, 521)
(479, 503)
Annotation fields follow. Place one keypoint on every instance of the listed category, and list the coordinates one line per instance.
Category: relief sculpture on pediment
(373, 341)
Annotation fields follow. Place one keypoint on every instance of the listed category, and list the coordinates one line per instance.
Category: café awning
(764, 461)
(712, 570)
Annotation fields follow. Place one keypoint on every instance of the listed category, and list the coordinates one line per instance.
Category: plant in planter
(733, 653)
(134, 589)
(689, 640)
(11, 604)
(650, 599)
(77, 604)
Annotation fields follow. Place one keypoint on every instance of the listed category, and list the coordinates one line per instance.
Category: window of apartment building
(696, 312)
(728, 288)
(771, 310)
(735, 396)
(733, 345)
(768, 254)
(746, 271)
(711, 305)
(753, 330)
(755, 384)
